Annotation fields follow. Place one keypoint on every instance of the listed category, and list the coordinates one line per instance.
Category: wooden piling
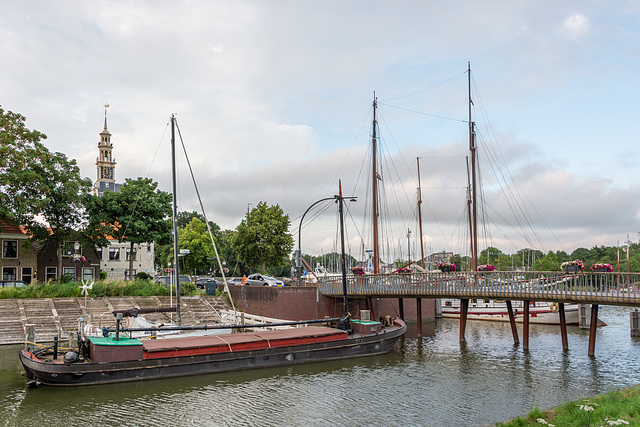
(30, 338)
(592, 329)
(512, 321)
(563, 326)
(635, 324)
(419, 315)
(401, 307)
(525, 326)
(464, 308)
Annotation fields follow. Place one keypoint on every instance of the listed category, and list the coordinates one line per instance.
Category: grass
(619, 407)
(101, 288)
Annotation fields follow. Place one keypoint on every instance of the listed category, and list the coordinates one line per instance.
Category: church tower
(105, 163)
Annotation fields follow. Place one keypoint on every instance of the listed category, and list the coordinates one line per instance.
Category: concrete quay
(59, 316)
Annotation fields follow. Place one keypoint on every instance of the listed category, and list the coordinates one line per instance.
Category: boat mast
(474, 200)
(374, 178)
(176, 275)
(420, 213)
(342, 258)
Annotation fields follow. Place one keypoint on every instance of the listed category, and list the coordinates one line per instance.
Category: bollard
(30, 338)
(635, 327)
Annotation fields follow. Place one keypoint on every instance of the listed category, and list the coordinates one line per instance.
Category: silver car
(263, 280)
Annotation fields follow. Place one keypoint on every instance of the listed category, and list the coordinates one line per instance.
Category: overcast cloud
(273, 100)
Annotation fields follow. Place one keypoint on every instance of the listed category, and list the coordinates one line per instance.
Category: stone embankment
(58, 316)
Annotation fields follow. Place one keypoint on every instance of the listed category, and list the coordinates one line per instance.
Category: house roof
(9, 228)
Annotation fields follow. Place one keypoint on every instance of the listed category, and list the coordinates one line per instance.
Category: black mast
(176, 275)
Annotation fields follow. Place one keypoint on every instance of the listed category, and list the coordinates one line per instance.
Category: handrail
(584, 288)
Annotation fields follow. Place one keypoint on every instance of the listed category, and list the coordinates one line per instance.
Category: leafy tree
(262, 238)
(40, 190)
(184, 218)
(138, 213)
(195, 237)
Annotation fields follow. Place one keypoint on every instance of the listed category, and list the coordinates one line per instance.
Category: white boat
(539, 312)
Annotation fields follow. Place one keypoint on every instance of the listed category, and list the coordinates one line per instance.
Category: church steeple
(105, 163)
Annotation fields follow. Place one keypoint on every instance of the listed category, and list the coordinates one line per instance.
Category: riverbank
(618, 407)
(58, 316)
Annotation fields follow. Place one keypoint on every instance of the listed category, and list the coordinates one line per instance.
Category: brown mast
(420, 213)
(376, 254)
(472, 148)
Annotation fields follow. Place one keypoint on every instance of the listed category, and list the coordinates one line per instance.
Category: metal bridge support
(512, 321)
(419, 315)
(563, 326)
(525, 326)
(592, 329)
(464, 309)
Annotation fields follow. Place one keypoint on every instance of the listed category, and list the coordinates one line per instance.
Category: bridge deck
(583, 288)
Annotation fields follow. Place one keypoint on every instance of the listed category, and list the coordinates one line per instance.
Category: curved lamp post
(338, 199)
(299, 254)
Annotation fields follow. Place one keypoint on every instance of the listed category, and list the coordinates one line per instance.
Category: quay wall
(304, 303)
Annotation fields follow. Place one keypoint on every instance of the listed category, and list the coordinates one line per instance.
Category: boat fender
(554, 307)
(70, 357)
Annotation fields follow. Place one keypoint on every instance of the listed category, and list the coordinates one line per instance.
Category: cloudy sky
(274, 103)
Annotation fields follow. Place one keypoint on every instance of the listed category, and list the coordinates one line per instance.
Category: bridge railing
(595, 288)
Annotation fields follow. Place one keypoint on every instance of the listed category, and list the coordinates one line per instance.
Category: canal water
(428, 381)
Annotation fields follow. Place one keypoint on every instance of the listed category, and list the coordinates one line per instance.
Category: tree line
(44, 192)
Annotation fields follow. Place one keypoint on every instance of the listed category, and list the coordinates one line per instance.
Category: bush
(143, 276)
(103, 275)
(55, 289)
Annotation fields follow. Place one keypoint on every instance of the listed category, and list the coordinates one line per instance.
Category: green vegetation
(620, 407)
(60, 289)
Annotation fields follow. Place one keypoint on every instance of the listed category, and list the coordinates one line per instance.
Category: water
(433, 381)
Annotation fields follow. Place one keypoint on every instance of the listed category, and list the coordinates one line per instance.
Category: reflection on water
(429, 381)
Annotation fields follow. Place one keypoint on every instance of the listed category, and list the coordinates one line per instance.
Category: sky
(274, 104)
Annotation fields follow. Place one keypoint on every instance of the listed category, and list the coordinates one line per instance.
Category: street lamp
(76, 249)
(299, 252)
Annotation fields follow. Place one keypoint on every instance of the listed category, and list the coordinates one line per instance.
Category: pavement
(59, 316)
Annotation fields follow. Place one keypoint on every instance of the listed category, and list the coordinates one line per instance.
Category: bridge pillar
(401, 307)
(525, 326)
(419, 315)
(512, 321)
(592, 329)
(464, 309)
(563, 326)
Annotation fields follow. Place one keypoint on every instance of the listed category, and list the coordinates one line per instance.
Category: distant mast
(474, 200)
(376, 254)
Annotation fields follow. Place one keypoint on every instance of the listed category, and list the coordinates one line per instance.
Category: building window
(129, 253)
(27, 275)
(148, 248)
(50, 273)
(9, 249)
(126, 274)
(69, 272)
(68, 248)
(9, 273)
(99, 250)
(114, 254)
(88, 273)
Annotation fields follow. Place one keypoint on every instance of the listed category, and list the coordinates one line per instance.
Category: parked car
(167, 280)
(201, 282)
(263, 280)
(12, 284)
(234, 281)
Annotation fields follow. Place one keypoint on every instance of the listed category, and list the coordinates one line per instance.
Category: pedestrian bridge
(582, 288)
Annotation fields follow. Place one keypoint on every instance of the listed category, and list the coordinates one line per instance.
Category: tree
(195, 237)
(138, 213)
(262, 238)
(40, 190)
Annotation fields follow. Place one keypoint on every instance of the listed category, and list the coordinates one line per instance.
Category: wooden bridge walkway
(582, 288)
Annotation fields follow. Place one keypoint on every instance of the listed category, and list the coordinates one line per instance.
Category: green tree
(41, 190)
(195, 237)
(138, 213)
(262, 238)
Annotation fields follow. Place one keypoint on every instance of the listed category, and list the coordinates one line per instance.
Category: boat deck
(171, 347)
